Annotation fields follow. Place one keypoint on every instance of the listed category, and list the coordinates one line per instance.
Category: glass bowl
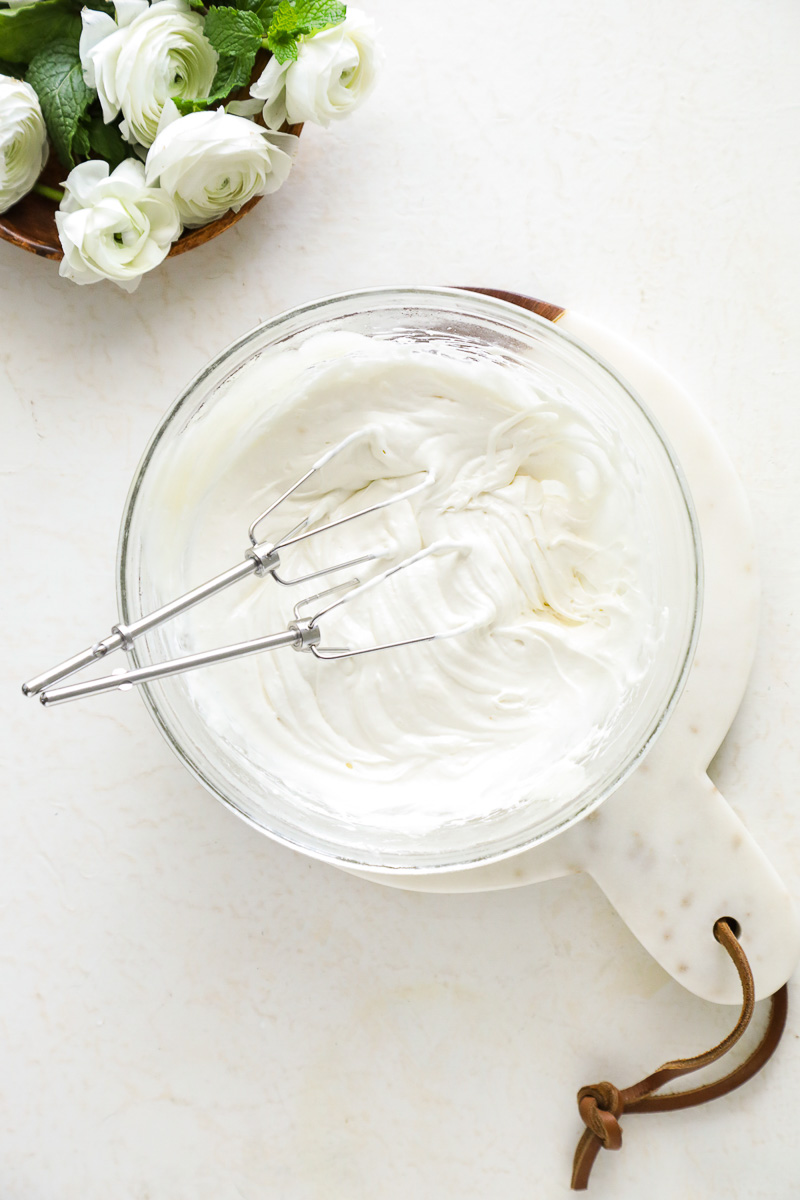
(439, 321)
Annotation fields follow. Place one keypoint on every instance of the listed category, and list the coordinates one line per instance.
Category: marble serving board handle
(666, 848)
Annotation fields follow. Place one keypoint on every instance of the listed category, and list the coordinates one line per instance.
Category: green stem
(265, 43)
(48, 192)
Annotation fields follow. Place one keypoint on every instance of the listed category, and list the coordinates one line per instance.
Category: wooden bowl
(31, 223)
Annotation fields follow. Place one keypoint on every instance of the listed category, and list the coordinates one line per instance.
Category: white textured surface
(189, 1011)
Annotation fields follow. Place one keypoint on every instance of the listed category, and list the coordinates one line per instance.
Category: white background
(190, 1012)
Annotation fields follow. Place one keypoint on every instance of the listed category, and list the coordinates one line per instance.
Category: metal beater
(261, 558)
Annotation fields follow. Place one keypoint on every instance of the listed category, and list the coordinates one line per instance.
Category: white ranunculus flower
(335, 70)
(212, 161)
(150, 53)
(113, 226)
(23, 140)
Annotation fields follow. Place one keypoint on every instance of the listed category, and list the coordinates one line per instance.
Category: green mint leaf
(233, 32)
(284, 33)
(314, 15)
(246, 5)
(81, 147)
(106, 141)
(236, 35)
(265, 10)
(284, 49)
(24, 32)
(56, 76)
(284, 19)
(196, 3)
(290, 22)
(233, 72)
(185, 107)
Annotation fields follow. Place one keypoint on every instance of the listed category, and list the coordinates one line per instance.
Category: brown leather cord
(602, 1104)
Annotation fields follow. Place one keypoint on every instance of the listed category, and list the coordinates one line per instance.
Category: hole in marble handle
(734, 926)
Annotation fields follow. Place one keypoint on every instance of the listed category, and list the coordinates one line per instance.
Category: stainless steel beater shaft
(302, 634)
(261, 558)
(123, 680)
(123, 636)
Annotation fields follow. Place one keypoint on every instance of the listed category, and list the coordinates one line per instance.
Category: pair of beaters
(262, 559)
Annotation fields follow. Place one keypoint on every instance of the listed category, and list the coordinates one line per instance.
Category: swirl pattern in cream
(557, 577)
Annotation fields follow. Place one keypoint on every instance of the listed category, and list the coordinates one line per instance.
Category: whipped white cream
(559, 579)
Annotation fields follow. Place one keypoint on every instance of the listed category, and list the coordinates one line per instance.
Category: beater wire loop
(261, 558)
(301, 634)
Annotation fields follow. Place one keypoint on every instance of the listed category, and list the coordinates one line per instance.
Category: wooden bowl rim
(34, 243)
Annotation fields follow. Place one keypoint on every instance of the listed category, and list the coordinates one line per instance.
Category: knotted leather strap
(602, 1104)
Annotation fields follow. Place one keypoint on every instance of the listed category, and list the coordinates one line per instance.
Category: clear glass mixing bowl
(438, 321)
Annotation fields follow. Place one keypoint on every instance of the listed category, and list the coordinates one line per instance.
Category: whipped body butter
(573, 573)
